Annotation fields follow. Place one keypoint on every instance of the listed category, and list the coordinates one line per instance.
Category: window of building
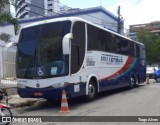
(49, 4)
(50, 10)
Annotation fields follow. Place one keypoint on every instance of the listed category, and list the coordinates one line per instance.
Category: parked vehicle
(150, 71)
(156, 75)
(4, 112)
(77, 56)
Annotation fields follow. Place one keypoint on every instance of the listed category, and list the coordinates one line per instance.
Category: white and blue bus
(78, 56)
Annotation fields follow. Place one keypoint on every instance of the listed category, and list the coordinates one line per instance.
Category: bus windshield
(39, 53)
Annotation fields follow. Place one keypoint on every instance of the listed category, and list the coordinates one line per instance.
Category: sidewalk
(16, 101)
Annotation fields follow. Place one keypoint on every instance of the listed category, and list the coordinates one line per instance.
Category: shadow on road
(118, 91)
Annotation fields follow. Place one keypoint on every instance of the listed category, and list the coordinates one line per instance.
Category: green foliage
(2, 4)
(5, 37)
(6, 17)
(152, 44)
(157, 49)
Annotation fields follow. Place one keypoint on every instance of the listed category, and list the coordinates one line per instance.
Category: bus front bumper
(48, 93)
(52, 93)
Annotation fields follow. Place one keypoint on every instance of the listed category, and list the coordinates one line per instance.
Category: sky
(132, 11)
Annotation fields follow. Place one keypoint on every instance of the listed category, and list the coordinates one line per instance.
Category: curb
(15, 101)
(23, 104)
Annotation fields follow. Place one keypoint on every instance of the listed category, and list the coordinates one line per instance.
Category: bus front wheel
(92, 91)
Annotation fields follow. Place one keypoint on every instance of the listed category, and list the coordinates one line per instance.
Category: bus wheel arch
(91, 88)
(137, 80)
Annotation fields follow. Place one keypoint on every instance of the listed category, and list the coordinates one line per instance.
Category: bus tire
(6, 112)
(92, 91)
(132, 82)
(157, 80)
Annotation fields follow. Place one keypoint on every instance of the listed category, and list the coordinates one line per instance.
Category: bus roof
(74, 19)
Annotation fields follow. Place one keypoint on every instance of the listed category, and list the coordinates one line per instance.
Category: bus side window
(142, 52)
(123, 46)
(137, 51)
(93, 38)
(77, 46)
(131, 49)
(117, 41)
(113, 44)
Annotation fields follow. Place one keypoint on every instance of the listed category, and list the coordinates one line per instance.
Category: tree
(157, 49)
(6, 17)
(152, 44)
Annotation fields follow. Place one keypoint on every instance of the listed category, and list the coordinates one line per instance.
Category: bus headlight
(21, 86)
(58, 85)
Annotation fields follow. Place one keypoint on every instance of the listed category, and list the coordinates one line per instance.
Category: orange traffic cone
(64, 103)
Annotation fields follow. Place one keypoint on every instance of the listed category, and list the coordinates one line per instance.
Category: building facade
(151, 27)
(7, 8)
(64, 8)
(52, 7)
(36, 8)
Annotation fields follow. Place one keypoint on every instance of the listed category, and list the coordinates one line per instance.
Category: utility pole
(119, 20)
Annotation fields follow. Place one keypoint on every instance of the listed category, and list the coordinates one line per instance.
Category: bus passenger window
(77, 47)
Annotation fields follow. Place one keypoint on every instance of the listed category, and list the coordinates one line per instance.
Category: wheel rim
(158, 79)
(5, 112)
(91, 90)
(132, 82)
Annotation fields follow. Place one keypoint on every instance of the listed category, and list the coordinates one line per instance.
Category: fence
(8, 62)
(8, 70)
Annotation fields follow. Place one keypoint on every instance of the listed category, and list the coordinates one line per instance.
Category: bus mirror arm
(66, 43)
(10, 44)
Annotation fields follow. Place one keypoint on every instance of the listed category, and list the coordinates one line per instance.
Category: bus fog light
(21, 86)
(58, 85)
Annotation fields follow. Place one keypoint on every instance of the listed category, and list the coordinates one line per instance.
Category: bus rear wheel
(92, 91)
(132, 82)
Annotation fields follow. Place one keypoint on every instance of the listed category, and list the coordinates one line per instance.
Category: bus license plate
(38, 93)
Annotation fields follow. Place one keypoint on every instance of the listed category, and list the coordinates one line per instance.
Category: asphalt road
(141, 101)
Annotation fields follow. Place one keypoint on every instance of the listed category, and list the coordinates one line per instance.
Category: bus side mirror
(66, 43)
